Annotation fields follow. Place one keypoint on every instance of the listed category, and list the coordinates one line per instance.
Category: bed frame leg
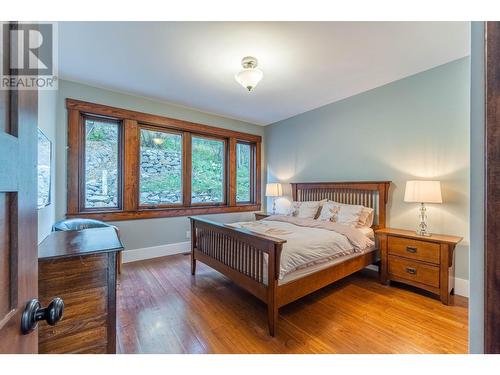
(193, 246)
(193, 265)
(272, 319)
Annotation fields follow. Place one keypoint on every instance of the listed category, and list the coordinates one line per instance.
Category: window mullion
(232, 171)
(130, 168)
(186, 169)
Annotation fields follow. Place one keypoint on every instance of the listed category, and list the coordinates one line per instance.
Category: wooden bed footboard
(251, 260)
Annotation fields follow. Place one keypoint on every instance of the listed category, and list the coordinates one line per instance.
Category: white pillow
(348, 214)
(366, 217)
(307, 210)
(329, 212)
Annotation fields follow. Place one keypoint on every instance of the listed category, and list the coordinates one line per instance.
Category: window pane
(243, 170)
(101, 163)
(207, 170)
(161, 168)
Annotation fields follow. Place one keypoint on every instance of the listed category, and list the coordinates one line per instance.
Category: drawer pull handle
(411, 249)
(411, 271)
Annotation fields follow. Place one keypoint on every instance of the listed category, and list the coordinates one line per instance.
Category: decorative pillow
(366, 217)
(307, 210)
(321, 203)
(349, 214)
(329, 212)
(294, 209)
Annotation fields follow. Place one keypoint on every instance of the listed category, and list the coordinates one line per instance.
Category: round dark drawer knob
(34, 312)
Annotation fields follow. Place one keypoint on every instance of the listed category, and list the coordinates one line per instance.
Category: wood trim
(232, 171)
(156, 213)
(81, 170)
(131, 166)
(120, 113)
(186, 167)
(492, 191)
(137, 150)
(131, 121)
(225, 180)
(258, 175)
(73, 157)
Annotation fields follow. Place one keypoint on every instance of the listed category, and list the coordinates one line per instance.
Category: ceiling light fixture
(250, 76)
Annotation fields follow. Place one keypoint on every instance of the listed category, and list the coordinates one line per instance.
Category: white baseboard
(156, 251)
(461, 285)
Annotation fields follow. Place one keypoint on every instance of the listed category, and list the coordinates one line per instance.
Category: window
(243, 172)
(160, 168)
(131, 165)
(207, 170)
(101, 163)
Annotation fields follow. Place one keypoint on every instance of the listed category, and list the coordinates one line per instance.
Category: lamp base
(422, 227)
(423, 234)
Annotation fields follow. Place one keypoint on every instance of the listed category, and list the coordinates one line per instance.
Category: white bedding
(318, 267)
(368, 232)
(307, 246)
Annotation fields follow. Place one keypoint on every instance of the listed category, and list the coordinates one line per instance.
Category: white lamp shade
(423, 192)
(249, 78)
(274, 190)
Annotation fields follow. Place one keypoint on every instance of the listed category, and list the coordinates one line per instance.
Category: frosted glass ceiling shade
(423, 192)
(250, 76)
(274, 190)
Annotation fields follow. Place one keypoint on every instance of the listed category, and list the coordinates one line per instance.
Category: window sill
(164, 212)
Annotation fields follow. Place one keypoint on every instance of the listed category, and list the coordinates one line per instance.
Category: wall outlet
(188, 234)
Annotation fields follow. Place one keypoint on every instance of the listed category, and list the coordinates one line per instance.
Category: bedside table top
(411, 234)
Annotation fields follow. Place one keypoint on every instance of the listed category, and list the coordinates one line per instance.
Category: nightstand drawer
(414, 249)
(413, 271)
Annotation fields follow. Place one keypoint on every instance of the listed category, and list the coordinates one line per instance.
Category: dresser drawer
(414, 249)
(413, 271)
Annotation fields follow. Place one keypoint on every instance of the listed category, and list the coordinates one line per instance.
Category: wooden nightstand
(262, 215)
(424, 262)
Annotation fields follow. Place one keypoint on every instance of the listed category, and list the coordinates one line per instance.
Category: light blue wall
(417, 127)
(47, 102)
(476, 301)
(150, 232)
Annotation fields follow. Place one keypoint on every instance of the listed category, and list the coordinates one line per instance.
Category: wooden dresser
(80, 268)
(424, 262)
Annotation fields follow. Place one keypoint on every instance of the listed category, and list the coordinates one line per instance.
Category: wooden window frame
(159, 206)
(129, 159)
(82, 198)
(227, 172)
(253, 187)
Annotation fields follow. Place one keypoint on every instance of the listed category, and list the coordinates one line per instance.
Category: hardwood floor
(163, 309)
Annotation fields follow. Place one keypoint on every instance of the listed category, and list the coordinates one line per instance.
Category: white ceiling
(305, 64)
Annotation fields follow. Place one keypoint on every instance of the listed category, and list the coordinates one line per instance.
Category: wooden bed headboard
(373, 194)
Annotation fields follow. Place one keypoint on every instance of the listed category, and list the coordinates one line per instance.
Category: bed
(252, 260)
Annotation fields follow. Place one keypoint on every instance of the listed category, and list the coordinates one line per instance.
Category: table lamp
(274, 190)
(423, 192)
